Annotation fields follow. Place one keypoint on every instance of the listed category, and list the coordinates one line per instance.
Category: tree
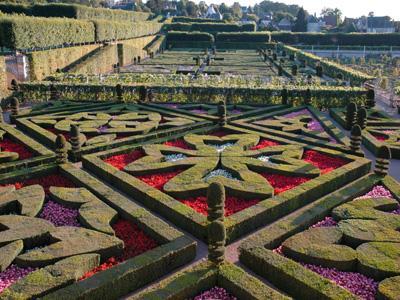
(227, 17)
(156, 6)
(301, 21)
(223, 8)
(336, 12)
(237, 10)
(192, 9)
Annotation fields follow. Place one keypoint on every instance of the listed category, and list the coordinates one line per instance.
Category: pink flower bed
(12, 274)
(60, 215)
(216, 293)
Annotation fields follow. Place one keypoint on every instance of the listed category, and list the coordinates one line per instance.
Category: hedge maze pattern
(379, 129)
(216, 171)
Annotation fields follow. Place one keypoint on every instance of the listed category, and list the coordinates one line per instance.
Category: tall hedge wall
(18, 32)
(194, 20)
(45, 63)
(73, 11)
(101, 62)
(182, 39)
(129, 49)
(110, 30)
(244, 37)
(210, 27)
(21, 32)
(351, 39)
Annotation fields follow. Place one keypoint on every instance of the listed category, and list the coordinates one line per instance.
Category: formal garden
(191, 160)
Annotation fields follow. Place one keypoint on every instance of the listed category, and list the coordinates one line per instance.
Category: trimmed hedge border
(324, 96)
(175, 251)
(48, 138)
(379, 123)
(329, 127)
(74, 11)
(210, 27)
(357, 39)
(288, 275)
(242, 222)
(330, 68)
(192, 281)
(42, 154)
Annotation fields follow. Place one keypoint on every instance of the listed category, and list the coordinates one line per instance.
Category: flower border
(42, 155)
(242, 222)
(175, 248)
(48, 138)
(192, 281)
(291, 277)
(328, 126)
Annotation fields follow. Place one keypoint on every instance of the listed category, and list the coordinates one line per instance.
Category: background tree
(237, 10)
(336, 12)
(301, 21)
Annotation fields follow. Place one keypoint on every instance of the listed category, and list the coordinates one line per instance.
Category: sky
(350, 8)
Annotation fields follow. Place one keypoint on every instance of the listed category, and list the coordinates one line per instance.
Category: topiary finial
(307, 97)
(75, 139)
(216, 201)
(355, 139)
(362, 117)
(222, 113)
(216, 242)
(14, 106)
(285, 96)
(370, 98)
(351, 115)
(61, 149)
(382, 161)
(118, 92)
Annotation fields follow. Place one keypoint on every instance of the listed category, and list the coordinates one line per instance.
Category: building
(314, 24)
(213, 13)
(285, 25)
(380, 25)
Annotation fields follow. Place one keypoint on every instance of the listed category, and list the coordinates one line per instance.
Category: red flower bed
(8, 145)
(135, 242)
(232, 204)
(158, 180)
(121, 160)
(264, 143)
(380, 138)
(323, 162)
(282, 183)
(178, 143)
(46, 182)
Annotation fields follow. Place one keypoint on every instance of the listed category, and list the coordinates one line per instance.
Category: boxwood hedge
(72, 11)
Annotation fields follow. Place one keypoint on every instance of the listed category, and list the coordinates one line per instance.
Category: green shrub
(244, 37)
(350, 39)
(20, 32)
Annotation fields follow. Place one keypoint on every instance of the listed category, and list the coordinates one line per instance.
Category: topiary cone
(216, 242)
(382, 161)
(355, 140)
(61, 149)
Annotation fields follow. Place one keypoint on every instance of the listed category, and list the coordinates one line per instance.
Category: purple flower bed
(216, 293)
(235, 111)
(12, 274)
(313, 125)
(199, 111)
(60, 215)
(327, 222)
(360, 285)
